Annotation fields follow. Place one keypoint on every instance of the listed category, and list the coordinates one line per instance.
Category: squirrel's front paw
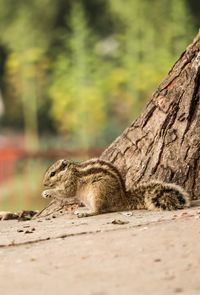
(46, 194)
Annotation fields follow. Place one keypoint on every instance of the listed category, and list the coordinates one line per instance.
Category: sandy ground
(150, 253)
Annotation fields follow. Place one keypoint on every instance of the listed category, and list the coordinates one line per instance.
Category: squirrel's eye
(52, 174)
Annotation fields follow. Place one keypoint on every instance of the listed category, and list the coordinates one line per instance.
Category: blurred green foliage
(86, 68)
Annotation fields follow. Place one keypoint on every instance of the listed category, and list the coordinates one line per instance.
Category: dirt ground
(118, 253)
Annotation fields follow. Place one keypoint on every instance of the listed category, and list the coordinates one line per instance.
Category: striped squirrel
(99, 186)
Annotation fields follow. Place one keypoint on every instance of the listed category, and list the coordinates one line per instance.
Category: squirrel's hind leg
(95, 203)
(92, 206)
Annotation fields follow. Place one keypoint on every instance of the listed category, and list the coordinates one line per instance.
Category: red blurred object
(12, 149)
(8, 158)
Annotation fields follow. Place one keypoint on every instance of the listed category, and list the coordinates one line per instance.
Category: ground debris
(119, 221)
(178, 290)
(127, 214)
(56, 208)
(28, 232)
(26, 215)
(20, 230)
(20, 216)
(4, 215)
(157, 260)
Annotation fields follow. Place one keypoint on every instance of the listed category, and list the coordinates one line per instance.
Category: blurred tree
(101, 66)
(131, 62)
(26, 64)
(180, 28)
(136, 39)
(78, 105)
(150, 38)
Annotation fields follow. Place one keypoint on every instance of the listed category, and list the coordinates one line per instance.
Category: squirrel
(99, 186)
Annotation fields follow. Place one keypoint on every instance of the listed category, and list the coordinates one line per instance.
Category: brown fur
(100, 187)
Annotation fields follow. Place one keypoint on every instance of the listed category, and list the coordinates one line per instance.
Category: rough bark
(164, 142)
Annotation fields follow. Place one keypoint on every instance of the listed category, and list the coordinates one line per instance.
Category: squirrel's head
(57, 173)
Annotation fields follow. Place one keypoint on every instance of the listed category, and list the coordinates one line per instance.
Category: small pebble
(20, 230)
(118, 221)
(157, 260)
(178, 290)
(28, 232)
(128, 214)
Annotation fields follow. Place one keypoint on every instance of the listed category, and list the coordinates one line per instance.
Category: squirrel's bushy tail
(158, 195)
(166, 196)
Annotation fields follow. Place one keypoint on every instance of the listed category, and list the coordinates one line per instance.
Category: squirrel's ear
(64, 163)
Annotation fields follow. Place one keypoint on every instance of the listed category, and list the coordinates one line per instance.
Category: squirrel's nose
(45, 183)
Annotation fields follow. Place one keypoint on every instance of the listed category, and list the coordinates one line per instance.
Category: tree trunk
(164, 142)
